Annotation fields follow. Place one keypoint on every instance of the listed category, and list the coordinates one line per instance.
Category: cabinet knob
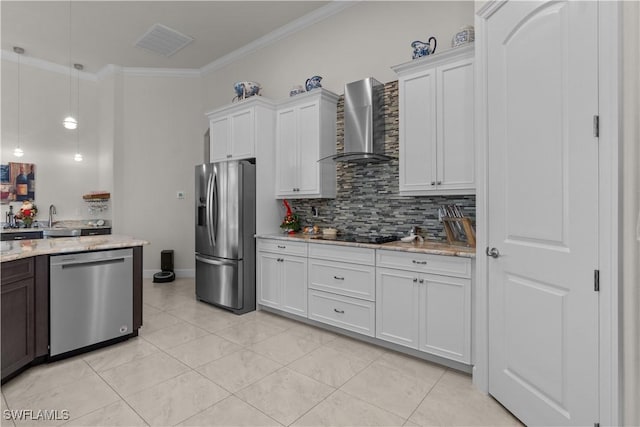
(228, 156)
(433, 183)
(338, 278)
(338, 311)
(439, 182)
(421, 280)
(415, 279)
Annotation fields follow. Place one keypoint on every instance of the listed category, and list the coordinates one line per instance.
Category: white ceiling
(104, 32)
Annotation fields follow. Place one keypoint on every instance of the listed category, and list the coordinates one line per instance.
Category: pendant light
(78, 156)
(18, 151)
(70, 122)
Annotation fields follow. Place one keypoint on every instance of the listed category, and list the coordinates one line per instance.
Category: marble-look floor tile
(411, 366)
(176, 399)
(287, 346)
(203, 350)
(362, 350)
(250, 332)
(230, 412)
(158, 321)
(329, 366)
(78, 398)
(341, 409)
(206, 317)
(165, 300)
(45, 377)
(5, 407)
(285, 395)
(455, 401)
(118, 354)
(139, 374)
(273, 319)
(148, 311)
(118, 414)
(239, 370)
(175, 335)
(390, 388)
(320, 335)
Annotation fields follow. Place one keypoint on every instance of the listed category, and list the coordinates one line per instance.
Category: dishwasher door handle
(75, 264)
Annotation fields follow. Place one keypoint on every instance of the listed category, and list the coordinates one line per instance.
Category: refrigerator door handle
(214, 261)
(214, 211)
(208, 214)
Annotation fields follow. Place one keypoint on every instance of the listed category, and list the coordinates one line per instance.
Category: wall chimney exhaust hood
(364, 126)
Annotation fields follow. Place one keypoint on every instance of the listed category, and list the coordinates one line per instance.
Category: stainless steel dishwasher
(91, 298)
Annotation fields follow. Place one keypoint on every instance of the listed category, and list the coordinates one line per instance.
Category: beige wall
(44, 99)
(364, 40)
(161, 142)
(630, 233)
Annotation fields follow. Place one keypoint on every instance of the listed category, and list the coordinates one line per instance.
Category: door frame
(609, 86)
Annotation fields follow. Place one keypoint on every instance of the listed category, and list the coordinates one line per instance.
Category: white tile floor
(196, 365)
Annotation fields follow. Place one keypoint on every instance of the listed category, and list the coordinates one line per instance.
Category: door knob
(493, 252)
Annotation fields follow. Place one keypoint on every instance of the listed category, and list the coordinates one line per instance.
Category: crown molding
(108, 70)
(161, 72)
(46, 65)
(278, 34)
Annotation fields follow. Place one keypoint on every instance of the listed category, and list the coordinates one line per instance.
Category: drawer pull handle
(282, 247)
(415, 279)
(338, 278)
(18, 238)
(421, 280)
(338, 311)
(420, 262)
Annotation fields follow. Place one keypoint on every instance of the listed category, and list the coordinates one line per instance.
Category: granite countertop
(76, 224)
(427, 247)
(16, 249)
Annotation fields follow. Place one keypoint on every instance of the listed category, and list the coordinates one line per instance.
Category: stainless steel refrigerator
(225, 210)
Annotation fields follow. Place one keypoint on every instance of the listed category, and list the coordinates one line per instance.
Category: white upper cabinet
(436, 124)
(305, 133)
(235, 129)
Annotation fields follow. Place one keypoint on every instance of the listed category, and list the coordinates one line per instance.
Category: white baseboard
(181, 272)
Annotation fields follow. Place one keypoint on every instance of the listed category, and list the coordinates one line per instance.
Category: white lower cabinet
(342, 294)
(282, 277)
(423, 311)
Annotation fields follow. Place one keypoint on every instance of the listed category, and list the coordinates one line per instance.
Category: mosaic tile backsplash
(367, 199)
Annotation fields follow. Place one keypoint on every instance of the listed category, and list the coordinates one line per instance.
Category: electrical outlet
(315, 211)
(180, 195)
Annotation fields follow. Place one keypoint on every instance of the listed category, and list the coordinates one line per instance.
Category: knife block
(451, 228)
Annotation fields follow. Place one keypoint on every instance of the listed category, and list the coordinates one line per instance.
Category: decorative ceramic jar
(421, 49)
(246, 89)
(465, 36)
(313, 83)
(296, 90)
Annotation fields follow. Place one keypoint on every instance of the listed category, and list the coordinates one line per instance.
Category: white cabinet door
(269, 279)
(445, 317)
(286, 152)
(219, 138)
(397, 307)
(242, 135)
(308, 152)
(418, 132)
(294, 285)
(455, 168)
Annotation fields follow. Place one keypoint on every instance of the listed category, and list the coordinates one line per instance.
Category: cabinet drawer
(94, 231)
(425, 263)
(17, 270)
(18, 235)
(342, 253)
(344, 312)
(343, 278)
(285, 247)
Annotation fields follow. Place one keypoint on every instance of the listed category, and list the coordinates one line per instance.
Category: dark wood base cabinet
(24, 299)
(25, 312)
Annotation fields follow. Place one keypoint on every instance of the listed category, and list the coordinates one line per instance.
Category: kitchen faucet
(52, 210)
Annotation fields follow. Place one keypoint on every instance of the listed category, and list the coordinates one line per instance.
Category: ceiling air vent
(163, 40)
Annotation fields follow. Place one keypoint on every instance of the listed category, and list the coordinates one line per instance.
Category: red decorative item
(291, 222)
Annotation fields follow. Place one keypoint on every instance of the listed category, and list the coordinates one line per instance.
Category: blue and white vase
(421, 49)
(464, 36)
(313, 83)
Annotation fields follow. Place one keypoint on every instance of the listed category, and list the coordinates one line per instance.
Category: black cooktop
(359, 238)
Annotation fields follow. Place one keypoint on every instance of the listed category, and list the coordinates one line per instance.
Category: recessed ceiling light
(163, 40)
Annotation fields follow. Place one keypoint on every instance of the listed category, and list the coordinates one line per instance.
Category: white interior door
(542, 195)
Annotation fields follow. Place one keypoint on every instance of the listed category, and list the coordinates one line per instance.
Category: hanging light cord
(70, 87)
(78, 67)
(19, 103)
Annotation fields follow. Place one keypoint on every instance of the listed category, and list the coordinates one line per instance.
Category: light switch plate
(180, 195)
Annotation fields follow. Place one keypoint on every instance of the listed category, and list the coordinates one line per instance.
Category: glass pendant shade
(18, 152)
(70, 123)
(77, 157)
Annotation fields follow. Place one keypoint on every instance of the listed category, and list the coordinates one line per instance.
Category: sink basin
(61, 232)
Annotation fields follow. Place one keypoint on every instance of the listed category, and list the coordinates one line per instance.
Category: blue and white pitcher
(313, 83)
(421, 49)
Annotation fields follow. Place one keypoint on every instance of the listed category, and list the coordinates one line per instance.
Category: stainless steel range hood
(363, 123)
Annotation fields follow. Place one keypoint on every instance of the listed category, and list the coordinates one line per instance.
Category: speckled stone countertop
(16, 249)
(41, 226)
(426, 247)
